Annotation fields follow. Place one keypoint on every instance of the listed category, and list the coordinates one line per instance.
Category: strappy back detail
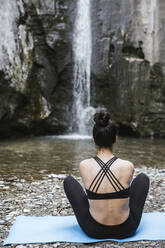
(105, 171)
(121, 192)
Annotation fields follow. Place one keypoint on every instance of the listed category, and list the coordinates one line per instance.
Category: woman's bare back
(108, 211)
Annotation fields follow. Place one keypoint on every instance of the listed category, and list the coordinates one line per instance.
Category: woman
(112, 206)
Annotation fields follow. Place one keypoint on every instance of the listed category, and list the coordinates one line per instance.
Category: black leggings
(79, 202)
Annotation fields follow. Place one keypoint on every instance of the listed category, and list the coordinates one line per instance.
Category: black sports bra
(121, 192)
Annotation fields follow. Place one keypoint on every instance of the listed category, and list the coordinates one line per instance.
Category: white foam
(73, 137)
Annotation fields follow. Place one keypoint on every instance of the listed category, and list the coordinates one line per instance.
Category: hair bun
(102, 119)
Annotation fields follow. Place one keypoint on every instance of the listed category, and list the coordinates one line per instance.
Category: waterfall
(149, 20)
(82, 47)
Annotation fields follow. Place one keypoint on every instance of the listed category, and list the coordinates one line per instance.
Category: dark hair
(104, 130)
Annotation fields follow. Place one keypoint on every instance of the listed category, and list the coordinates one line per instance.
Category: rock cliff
(129, 63)
(36, 65)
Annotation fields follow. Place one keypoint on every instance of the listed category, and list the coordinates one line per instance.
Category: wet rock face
(35, 65)
(16, 45)
(129, 63)
(51, 23)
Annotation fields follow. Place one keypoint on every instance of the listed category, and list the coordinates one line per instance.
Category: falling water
(82, 111)
(149, 20)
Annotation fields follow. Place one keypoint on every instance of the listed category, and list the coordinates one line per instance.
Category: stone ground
(46, 197)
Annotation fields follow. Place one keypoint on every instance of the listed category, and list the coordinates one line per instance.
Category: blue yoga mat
(50, 229)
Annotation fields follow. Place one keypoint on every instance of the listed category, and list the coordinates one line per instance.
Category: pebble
(19, 186)
(2, 222)
(20, 246)
(57, 187)
(26, 210)
(6, 188)
(56, 245)
(12, 179)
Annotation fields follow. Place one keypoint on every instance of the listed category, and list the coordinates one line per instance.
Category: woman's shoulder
(125, 164)
(85, 162)
(126, 169)
(84, 167)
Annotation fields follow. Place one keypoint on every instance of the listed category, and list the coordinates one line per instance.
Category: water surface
(33, 158)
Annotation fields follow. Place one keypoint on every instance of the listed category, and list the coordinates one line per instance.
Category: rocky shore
(46, 197)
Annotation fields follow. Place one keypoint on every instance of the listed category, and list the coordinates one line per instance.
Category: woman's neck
(105, 153)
